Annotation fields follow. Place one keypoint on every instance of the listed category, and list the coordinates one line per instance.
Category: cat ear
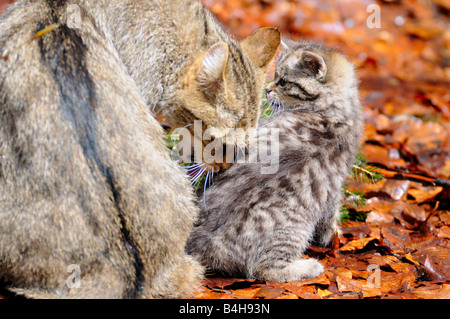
(262, 45)
(315, 63)
(212, 68)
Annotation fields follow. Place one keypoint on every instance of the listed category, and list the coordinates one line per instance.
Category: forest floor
(398, 244)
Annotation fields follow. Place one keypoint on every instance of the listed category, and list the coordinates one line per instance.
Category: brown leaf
(379, 210)
(396, 282)
(304, 291)
(269, 292)
(357, 244)
(382, 155)
(432, 271)
(409, 257)
(433, 291)
(395, 237)
(423, 193)
(383, 260)
(322, 279)
(436, 261)
(366, 289)
(231, 283)
(323, 293)
(397, 190)
(244, 293)
(444, 216)
(444, 232)
(355, 229)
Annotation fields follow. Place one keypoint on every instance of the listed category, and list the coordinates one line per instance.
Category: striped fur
(257, 225)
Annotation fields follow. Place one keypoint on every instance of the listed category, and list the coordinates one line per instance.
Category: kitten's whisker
(196, 177)
(197, 173)
(194, 167)
(204, 189)
(277, 109)
(212, 177)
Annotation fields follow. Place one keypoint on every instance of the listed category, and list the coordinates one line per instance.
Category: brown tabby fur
(85, 177)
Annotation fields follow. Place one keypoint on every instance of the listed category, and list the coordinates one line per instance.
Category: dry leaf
(433, 292)
(269, 292)
(357, 244)
(323, 293)
(411, 259)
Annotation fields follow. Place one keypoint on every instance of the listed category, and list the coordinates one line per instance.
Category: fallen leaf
(379, 211)
(323, 293)
(444, 232)
(397, 190)
(288, 295)
(432, 271)
(409, 257)
(269, 292)
(362, 287)
(395, 237)
(444, 216)
(436, 261)
(305, 292)
(247, 293)
(357, 244)
(379, 260)
(423, 193)
(295, 286)
(356, 229)
(382, 155)
(433, 291)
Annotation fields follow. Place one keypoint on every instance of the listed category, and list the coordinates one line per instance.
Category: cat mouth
(215, 160)
(206, 154)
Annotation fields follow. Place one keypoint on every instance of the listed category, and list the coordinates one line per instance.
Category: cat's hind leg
(282, 261)
(327, 228)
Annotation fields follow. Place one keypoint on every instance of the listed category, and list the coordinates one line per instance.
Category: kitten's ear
(315, 63)
(211, 72)
(262, 45)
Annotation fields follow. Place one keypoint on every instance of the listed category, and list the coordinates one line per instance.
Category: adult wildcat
(258, 225)
(86, 181)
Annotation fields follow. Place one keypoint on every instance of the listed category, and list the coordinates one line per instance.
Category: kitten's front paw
(297, 270)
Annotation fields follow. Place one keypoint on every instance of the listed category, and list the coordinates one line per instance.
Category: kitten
(258, 225)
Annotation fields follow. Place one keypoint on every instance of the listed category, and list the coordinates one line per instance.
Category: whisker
(204, 189)
(277, 109)
(197, 173)
(194, 167)
(212, 177)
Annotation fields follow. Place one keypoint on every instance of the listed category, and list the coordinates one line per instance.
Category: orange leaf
(357, 244)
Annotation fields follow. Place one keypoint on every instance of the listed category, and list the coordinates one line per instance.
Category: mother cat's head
(222, 88)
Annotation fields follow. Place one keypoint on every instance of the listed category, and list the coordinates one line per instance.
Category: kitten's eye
(282, 82)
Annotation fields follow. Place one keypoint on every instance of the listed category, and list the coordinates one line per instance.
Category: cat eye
(282, 82)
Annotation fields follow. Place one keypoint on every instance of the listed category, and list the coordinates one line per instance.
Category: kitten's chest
(314, 146)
